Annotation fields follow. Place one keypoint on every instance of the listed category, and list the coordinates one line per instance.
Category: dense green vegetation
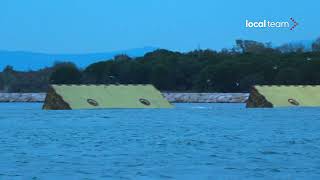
(230, 70)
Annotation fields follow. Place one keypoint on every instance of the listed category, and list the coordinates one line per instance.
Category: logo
(272, 24)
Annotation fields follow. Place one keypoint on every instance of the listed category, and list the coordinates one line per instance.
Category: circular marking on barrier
(293, 102)
(92, 102)
(144, 102)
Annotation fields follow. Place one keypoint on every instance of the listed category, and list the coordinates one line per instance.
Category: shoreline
(171, 97)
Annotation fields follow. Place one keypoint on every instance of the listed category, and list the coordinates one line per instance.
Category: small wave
(200, 107)
(269, 152)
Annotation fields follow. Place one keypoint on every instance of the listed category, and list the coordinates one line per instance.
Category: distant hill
(21, 60)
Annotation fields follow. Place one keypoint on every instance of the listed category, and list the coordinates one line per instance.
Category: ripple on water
(191, 141)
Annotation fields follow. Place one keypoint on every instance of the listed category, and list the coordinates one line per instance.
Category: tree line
(229, 70)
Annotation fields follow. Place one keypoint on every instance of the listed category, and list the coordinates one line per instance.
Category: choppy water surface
(192, 141)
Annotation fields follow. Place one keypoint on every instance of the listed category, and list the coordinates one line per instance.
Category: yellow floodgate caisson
(284, 96)
(66, 97)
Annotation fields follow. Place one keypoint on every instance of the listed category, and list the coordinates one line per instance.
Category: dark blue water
(192, 141)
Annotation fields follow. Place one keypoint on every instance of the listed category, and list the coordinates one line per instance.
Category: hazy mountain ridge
(22, 60)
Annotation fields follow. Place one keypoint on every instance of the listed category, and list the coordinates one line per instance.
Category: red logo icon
(295, 24)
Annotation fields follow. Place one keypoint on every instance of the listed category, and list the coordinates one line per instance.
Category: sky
(83, 26)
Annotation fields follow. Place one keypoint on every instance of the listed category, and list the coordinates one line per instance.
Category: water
(192, 141)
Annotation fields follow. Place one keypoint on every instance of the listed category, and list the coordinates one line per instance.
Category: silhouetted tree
(292, 47)
(230, 70)
(67, 74)
(316, 45)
